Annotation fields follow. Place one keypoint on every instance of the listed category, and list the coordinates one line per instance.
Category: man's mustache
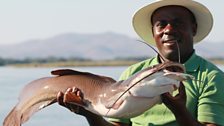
(166, 38)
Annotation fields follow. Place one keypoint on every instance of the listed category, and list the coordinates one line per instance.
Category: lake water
(12, 80)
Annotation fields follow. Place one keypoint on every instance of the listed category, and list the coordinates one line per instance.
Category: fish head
(157, 71)
(158, 79)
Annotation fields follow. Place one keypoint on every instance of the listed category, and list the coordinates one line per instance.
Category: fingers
(71, 96)
(182, 92)
(71, 99)
(166, 98)
(60, 97)
(174, 102)
(66, 95)
(77, 92)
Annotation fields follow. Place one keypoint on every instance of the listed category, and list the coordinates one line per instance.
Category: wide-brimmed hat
(142, 18)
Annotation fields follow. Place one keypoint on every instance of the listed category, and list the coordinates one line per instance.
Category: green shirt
(205, 94)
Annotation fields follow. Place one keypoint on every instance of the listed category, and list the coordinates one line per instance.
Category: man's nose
(169, 29)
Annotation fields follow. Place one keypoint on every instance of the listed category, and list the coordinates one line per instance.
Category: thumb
(182, 92)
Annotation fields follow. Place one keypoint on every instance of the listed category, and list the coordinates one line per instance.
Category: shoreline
(90, 63)
(78, 64)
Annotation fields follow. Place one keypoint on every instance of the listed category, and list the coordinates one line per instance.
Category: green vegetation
(77, 63)
(62, 62)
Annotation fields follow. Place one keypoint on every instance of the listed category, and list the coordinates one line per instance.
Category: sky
(22, 20)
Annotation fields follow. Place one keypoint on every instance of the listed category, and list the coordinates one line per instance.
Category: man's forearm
(184, 118)
(96, 120)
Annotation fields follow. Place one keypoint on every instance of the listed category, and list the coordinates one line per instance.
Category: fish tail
(13, 118)
(18, 116)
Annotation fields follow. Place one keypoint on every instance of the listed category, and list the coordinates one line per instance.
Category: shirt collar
(155, 60)
(191, 65)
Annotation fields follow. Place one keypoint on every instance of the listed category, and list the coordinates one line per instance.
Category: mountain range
(102, 46)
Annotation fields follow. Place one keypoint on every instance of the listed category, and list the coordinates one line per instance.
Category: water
(221, 67)
(12, 80)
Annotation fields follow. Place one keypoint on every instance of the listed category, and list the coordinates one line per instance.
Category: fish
(102, 95)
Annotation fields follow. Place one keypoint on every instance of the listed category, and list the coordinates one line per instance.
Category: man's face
(173, 27)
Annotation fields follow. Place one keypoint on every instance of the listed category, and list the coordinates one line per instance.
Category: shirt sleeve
(211, 100)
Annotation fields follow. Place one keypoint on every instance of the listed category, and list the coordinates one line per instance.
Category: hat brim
(142, 19)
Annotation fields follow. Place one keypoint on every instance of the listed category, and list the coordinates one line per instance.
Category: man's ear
(152, 31)
(194, 28)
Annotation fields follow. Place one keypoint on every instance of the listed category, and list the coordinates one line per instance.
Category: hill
(93, 46)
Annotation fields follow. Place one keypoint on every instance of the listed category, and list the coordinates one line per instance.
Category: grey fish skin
(101, 93)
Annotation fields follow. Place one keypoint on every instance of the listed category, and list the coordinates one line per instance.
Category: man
(174, 26)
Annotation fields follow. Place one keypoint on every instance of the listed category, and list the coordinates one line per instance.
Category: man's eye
(161, 24)
(178, 23)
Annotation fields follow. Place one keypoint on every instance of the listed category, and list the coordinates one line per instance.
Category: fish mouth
(176, 71)
(178, 75)
(167, 66)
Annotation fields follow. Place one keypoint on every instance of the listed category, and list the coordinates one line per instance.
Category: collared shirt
(205, 94)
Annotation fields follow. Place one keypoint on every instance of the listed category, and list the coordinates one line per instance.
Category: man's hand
(72, 95)
(175, 103)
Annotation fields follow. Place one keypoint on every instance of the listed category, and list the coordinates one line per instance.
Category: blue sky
(22, 20)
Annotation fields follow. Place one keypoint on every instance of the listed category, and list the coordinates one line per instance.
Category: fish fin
(13, 118)
(17, 117)
(108, 79)
(62, 72)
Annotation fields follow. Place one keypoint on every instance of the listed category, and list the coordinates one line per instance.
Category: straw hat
(142, 18)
